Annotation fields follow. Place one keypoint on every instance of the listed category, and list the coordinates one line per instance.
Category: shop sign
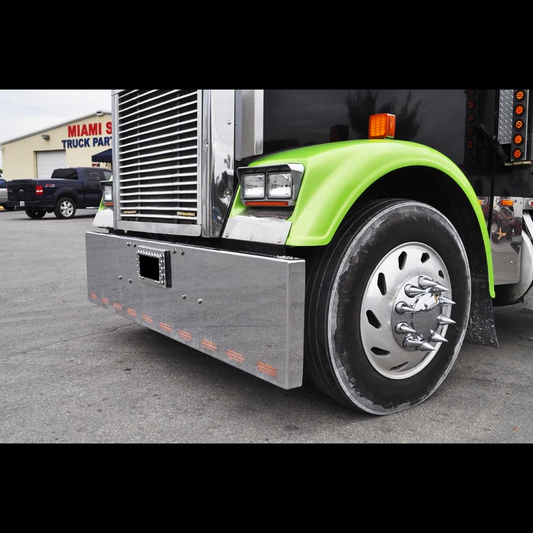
(88, 135)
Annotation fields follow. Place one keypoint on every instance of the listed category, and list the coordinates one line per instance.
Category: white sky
(24, 111)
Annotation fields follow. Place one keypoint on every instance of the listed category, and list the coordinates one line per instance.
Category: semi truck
(356, 236)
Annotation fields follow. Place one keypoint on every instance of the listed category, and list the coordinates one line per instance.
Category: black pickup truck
(67, 190)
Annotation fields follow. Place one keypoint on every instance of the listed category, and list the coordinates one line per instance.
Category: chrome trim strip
(255, 229)
(249, 120)
(216, 165)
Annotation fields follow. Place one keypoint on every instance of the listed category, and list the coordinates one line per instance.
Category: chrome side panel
(506, 239)
(243, 309)
(218, 139)
(249, 121)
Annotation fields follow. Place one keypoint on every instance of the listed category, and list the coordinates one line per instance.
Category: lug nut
(436, 337)
(402, 308)
(413, 290)
(418, 343)
(444, 320)
(446, 301)
(404, 327)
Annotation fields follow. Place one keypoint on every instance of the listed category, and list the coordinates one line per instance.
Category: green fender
(336, 174)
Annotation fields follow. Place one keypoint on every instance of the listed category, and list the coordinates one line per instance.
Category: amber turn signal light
(382, 126)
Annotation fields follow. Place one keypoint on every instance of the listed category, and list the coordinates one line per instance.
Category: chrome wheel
(405, 311)
(66, 208)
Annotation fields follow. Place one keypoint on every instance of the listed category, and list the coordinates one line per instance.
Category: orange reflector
(236, 356)
(382, 126)
(267, 369)
(269, 204)
(210, 345)
(185, 335)
(508, 203)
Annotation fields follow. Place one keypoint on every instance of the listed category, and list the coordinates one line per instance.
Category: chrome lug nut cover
(405, 314)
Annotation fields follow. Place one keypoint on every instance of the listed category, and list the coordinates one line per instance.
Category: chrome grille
(157, 139)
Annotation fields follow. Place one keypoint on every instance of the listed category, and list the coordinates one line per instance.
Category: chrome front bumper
(246, 310)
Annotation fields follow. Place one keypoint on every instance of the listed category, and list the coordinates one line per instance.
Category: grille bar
(158, 134)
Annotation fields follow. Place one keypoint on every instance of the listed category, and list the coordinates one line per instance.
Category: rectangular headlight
(270, 185)
(279, 185)
(107, 193)
(253, 186)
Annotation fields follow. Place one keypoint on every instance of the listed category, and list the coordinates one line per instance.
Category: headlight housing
(107, 193)
(270, 185)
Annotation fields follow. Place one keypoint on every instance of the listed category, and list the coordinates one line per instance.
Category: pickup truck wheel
(35, 213)
(65, 208)
(382, 328)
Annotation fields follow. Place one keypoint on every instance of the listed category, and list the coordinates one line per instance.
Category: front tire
(65, 208)
(388, 306)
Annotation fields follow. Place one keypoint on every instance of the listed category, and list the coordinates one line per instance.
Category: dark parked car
(3, 195)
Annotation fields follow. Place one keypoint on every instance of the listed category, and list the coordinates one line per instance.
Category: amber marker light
(519, 109)
(519, 95)
(518, 139)
(508, 203)
(382, 126)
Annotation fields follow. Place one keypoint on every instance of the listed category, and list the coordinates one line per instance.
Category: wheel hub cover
(405, 310)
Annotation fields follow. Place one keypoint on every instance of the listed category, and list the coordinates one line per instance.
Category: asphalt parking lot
(72, 372)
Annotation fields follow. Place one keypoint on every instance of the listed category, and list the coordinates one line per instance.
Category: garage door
(48, 161)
